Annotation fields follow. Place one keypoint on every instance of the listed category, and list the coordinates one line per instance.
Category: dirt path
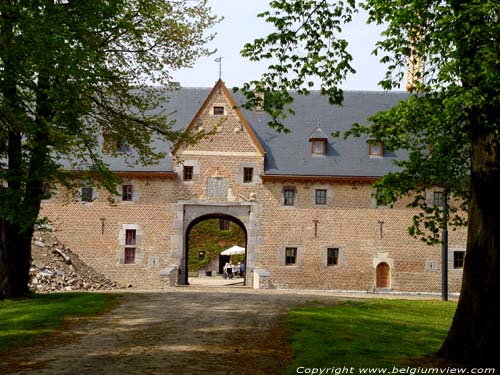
(183, 331)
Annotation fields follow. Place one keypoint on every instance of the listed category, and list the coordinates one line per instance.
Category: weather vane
(219, 60)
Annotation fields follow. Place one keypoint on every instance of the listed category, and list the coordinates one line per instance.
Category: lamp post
(444, 248)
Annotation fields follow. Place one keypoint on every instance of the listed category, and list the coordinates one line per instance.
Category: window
(247, 175)
(87, 194)
(122, 146)
(438, 198)
(289, 196)
(320, 196)
(332, 256)
(376, 148)
(319, 147)
(218, 110)
(188, 173)
(46, 191)
(130, 246)
(381, 199)
(127, 192)
(290, 256)
(224, 224)
(458, 259)
(201, 255)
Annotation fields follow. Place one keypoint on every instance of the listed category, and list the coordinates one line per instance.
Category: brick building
(304, 200)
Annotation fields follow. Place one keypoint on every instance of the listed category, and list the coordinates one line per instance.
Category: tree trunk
(15, 257)
(475, 331)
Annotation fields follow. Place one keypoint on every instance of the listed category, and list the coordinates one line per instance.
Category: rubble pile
(55, 268)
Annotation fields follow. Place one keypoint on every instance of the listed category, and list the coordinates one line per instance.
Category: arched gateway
(189, 214)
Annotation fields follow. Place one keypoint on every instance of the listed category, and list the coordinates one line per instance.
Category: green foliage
(207, 236)
(73, 73)
(375, 333)
(25, 321)
(306, 45)
(457, 92)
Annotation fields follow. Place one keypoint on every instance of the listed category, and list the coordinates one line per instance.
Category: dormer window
(218, 110)
(319, 147)
(318, 141)
(375, 147)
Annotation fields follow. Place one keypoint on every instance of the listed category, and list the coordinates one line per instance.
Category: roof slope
(290, 154)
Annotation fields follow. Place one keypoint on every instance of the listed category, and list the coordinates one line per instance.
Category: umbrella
(233, 250)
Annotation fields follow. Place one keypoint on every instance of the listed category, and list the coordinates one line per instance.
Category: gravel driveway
(181, 331)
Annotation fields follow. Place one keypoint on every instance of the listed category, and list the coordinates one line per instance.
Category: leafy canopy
(457, 41)
(76, 73)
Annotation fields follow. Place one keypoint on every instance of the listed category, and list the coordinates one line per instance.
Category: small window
(247, 175)
(319, 147)
(376, 148)
(381, 199)
(122, 146)
(458, 259)
(188, 173)
(46, 191)
(87, 194)
(127, 192)
(130, 242)
(290, 256)
(218, 110)
(289, 196)
(438, 199)
(320, 196)
(224, 224)
(201, 255)
(332, 256)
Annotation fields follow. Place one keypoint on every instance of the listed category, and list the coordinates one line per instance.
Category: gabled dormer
(375, 147)
(318, 141)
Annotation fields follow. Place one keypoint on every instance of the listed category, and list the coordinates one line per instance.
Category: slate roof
(290, 154)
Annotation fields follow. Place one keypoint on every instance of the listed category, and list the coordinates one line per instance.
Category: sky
(241, 25)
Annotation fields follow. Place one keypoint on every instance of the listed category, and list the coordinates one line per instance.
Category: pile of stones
(55, 268)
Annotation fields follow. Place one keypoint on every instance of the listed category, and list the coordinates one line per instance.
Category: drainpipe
(444, 248)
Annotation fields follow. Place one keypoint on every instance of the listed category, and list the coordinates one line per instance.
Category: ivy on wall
(208, 237)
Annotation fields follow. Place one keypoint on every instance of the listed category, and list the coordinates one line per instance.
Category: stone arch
(383, 276)
(200, 219)
(186, 213)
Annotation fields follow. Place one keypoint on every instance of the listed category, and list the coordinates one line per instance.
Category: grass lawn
(24, 321)
(372, 333)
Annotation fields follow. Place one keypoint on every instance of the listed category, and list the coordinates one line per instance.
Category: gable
(230, 132)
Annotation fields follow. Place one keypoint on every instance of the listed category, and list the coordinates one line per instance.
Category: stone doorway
(188, 214)
(211, 234)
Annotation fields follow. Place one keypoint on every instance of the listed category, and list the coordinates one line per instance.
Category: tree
(71, 71)
(450, 125)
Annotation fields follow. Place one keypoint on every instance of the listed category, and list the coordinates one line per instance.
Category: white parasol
(233, 250)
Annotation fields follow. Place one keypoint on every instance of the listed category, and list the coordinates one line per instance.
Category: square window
(224, 224)
(376, 148)
(319, 147)
(218, 110)
(438, 198)
(290, 256)
(458, 259)
(87, 194)
(321, 196)
(247, 175)
(332, 256)
(127, 192)
(188, 173)
(289, 196)
(201, 255)
(122, 146)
